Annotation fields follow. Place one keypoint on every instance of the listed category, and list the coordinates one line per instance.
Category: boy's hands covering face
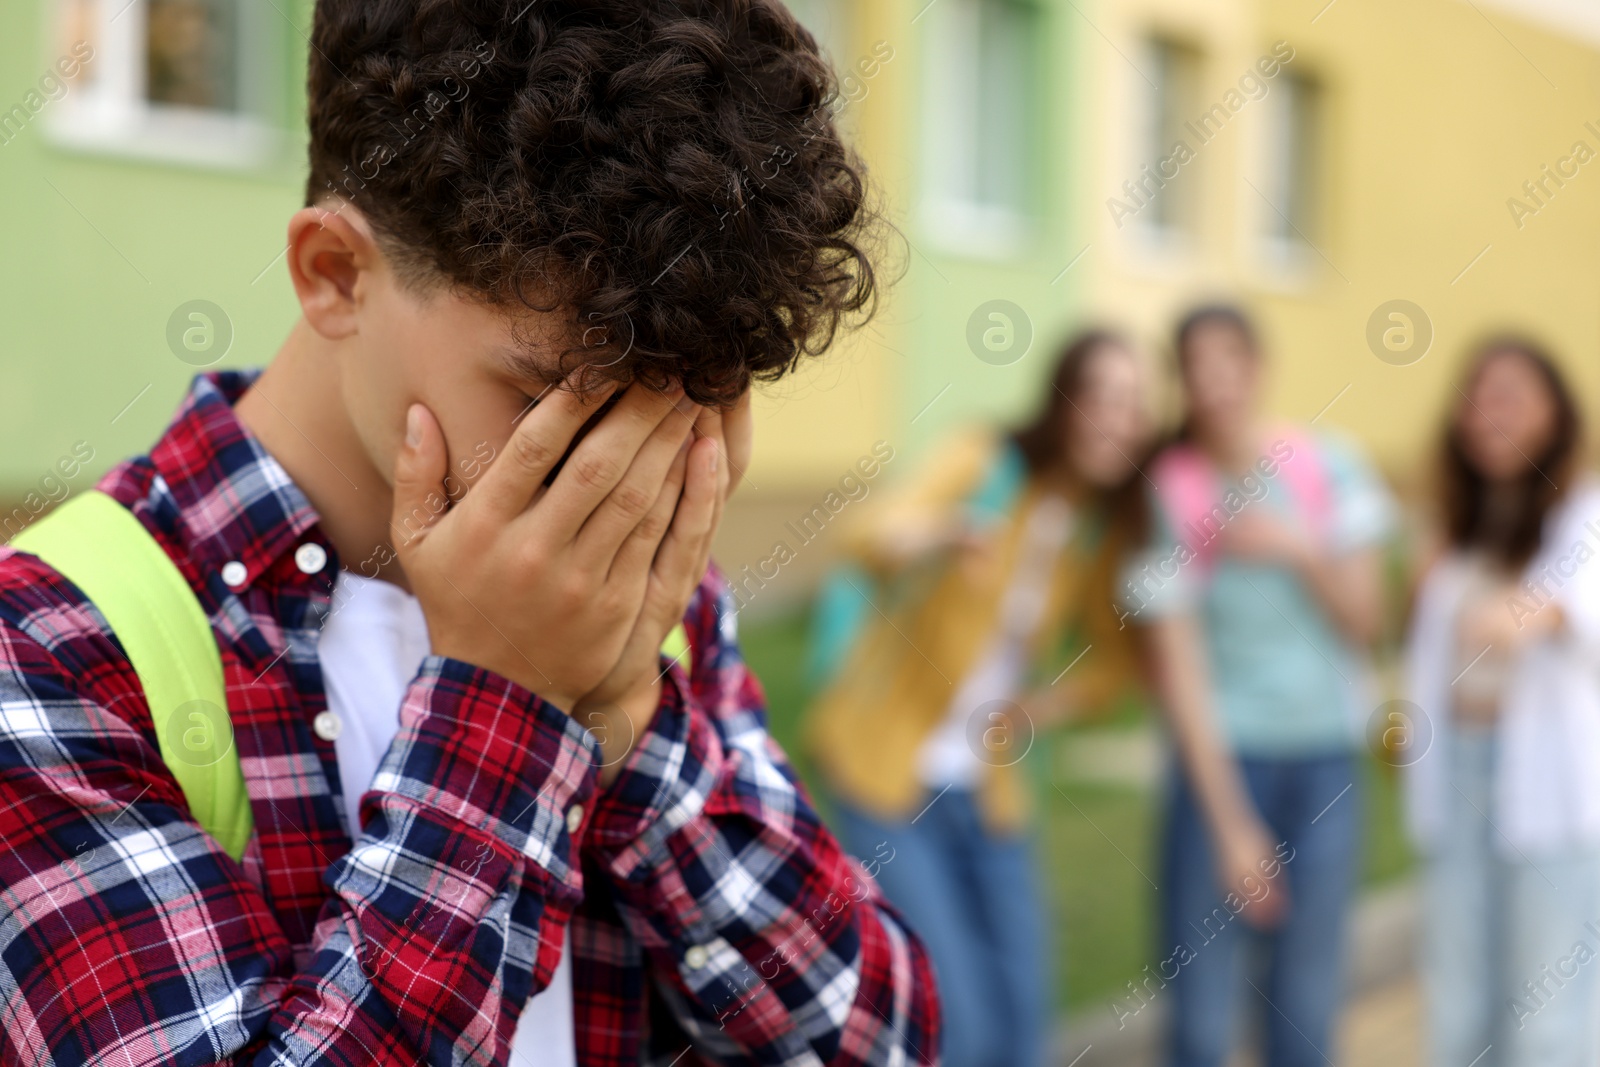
(622, 705)
(549, 586)
(702, 475)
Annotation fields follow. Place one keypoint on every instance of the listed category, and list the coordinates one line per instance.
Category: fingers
(734, 431)
(738, 436)
(632, 505)
(419, 471)
(724, 476)
(1268, 912)
(709, 424)
(605, 457)
(680, 561)
(632, 559)
(537, 444)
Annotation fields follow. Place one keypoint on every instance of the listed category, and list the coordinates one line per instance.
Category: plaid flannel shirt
(705, 905)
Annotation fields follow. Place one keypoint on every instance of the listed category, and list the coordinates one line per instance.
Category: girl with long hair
(1503, 775)
(982, 582)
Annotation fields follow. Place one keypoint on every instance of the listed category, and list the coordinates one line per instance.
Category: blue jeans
(972, 897)
(1294, 972)
(1509, 956)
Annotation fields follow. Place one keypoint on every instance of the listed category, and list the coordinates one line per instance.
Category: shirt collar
(235, 502)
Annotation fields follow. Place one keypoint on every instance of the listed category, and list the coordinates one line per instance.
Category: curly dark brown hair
(666, 172)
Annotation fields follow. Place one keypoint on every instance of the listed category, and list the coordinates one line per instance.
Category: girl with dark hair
(1258, 594)
(984, 581)
(1504, 794)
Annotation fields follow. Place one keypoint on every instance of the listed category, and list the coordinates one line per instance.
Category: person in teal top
(1285, 681)
(1257, 597)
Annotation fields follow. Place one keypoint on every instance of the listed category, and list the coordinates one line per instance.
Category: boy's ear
(328, 253)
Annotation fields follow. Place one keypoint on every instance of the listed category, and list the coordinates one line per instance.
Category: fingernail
(716, 459)
(686, 405)
(414, 425)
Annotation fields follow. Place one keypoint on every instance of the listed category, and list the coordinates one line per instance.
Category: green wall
(97, 254)
(942, 289)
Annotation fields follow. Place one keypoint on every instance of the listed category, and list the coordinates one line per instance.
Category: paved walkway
(1384, 1027)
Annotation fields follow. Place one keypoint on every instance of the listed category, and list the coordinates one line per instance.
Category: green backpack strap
(104, 550)
(676, 648)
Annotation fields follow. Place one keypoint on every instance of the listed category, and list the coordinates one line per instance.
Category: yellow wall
(816, 424)
(910, 377)
(813, 426)
(1437, 113)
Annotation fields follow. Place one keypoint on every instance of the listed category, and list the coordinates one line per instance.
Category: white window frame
(1285, 252)
(110, 113)
(951, 72)
(1179, 238)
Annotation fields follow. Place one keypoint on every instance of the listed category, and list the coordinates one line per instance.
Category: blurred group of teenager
(1236, 573)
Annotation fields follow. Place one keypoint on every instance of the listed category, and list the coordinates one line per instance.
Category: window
(1290, 146)
(189, 51)
(1165, 193)
(187, 80)
(979, 139)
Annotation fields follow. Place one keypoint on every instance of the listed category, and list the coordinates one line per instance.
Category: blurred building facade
(1381, 183)
(1044, 163)
(1432, 153)
(163, 171)
(1316, 160)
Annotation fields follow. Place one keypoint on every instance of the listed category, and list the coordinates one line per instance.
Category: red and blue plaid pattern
(710, 916)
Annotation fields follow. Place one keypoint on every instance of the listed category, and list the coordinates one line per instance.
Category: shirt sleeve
(768, 944)
(929, 497)
(1364, 511)
(129, 936)
(450, 910)
(1566, 570)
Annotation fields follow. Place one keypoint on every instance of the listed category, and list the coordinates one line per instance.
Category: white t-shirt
(947, 756)
(371, 647)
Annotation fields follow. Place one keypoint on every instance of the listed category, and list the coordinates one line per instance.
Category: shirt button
(327, 726)
(310, 558)
(234, 573)
(574, 818)
(696, 958)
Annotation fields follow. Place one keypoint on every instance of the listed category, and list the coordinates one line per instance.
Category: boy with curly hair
(441, 543)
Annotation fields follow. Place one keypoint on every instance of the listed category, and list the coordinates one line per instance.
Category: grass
(1097, 842)
(1098, 845)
